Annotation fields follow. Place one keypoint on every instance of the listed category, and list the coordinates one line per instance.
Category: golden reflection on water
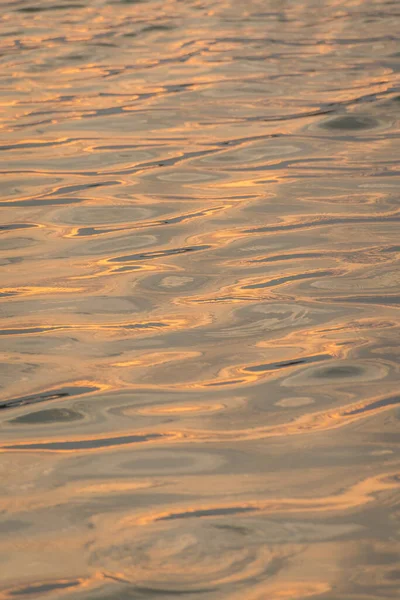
(199, 300)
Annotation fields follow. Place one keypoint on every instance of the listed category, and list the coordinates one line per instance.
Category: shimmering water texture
(199, 247)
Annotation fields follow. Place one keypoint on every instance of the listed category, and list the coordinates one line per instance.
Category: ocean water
(199, 300)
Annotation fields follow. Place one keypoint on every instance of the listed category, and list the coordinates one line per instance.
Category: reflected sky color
(199, 241)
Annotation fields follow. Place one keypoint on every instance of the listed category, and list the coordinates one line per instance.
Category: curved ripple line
(306, 424)
(357, 495)
(324, 221)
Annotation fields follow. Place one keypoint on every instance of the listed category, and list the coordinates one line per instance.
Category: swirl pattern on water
(199, 242)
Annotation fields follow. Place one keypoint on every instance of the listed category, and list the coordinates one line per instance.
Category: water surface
(199, 243)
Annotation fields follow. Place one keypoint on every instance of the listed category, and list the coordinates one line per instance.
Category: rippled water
(199, 297)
